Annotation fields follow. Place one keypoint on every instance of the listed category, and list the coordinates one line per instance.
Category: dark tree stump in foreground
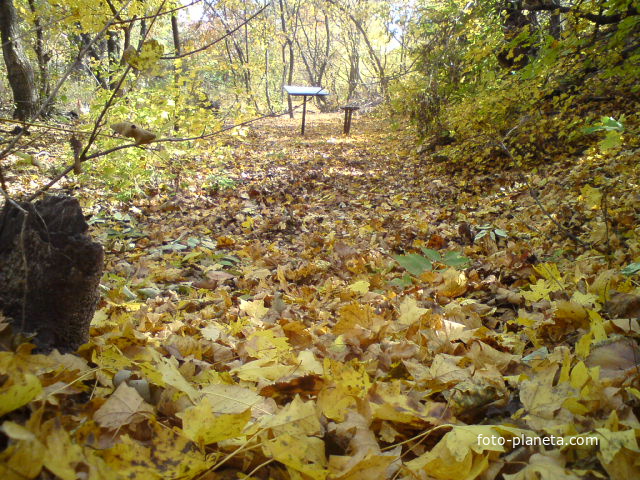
(49, 271)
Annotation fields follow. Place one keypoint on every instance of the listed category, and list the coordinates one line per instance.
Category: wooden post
(304, 112)
(345, 129)
(348, 113)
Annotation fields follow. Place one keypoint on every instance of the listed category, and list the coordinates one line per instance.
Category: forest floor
(348, 308)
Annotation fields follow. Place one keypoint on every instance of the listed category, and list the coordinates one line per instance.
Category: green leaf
(611, 140)
(193, 242)
(481, 233)
(455, 260)
(413, 263)
(631, 269)
(431, 254)
(25, 157)
(402, 282)
(229, 260)
(128, 293)
(149, 292)
(610, 123)
(173, 247)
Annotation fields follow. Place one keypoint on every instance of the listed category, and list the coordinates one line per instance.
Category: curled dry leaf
(125, 406)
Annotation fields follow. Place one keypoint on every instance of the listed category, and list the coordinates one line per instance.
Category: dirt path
(369, 189)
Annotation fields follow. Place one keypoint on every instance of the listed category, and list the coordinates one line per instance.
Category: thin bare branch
(227, 34)
(166, 12)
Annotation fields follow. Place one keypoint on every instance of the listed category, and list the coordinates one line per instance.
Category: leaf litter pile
(348, 309)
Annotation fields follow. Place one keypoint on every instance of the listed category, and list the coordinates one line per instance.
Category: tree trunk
(143, 32)
(555, 26)
(43, 58)
(19, 70)
(49, 271)
(290, 76)
(287, 72)
(266, 80)
(175, 30)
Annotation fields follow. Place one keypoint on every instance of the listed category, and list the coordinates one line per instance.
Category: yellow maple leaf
(574, 406)
(166, 455)
(539, 291)
(583, 346)
(358, 468)
(201, 424)
(579, 375)
(230, 398)
(21, 460)
(611, 443)
(587, 300)
(390, 402)
(597, 326)
(409, 311)
(262, 369)
(254, 309)
(591, 196)
(454, 283)
(549, 271)
(308, 362)
(544, 466)
(165, 372)
(353, 315)
(336, 403)
(303, 454)
(266, 344)
(23, 362)
(110, 358)
(361, 286)
(298, 418)
(62, 454)
(18, 391)
(346, 383)
(459, 455)
(353, 376)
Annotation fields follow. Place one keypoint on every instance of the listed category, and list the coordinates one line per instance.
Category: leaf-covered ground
(347, 308)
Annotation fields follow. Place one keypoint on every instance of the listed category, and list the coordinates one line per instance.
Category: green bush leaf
(631, 269)
(611, 140)
(413, 263)
(455, 260)
(431, 254)
(402, 282)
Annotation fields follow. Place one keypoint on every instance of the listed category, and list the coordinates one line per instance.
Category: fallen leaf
(125, 406)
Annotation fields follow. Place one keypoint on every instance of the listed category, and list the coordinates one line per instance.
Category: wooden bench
(348, 112)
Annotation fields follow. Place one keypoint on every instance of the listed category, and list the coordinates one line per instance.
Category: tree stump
(49, 271)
